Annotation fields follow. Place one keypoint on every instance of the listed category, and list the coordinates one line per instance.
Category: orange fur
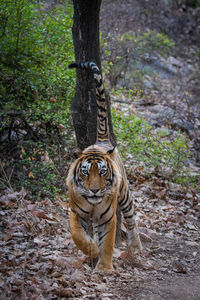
(101, 209)
(97, 184)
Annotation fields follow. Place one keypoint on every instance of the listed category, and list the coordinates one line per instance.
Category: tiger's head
(94, 174)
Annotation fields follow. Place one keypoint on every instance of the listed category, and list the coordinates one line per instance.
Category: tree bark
(87, 48)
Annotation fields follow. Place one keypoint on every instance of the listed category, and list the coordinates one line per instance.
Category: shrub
(36, 47)
(36, 89)
(124, 55)
(152, 149)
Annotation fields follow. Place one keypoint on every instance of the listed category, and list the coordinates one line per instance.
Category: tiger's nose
(95, 191)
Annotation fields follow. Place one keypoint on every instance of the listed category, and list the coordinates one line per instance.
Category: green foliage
(148, 41)
(152, 149)
(36, 90)
(192, 3)
(36, 47)
(123, 55)
(129, 94)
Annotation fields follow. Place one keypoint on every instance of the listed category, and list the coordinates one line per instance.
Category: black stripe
(101, 115)
(75, 174)
(84, 211)
(95, 70)
(122, 202)
(99, 83)
(94, 153)
(101, 108)
(101, 237)
(94, 157)
(127, 208)
(102, 92)
(107, 221)
(107, 209)
(130, 227)
(128, 217)
(81, 219)
(100, 99)
(121, 187)
(102, 118)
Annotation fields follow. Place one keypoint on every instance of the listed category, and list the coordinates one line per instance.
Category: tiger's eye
(84, 172)
(103, 172)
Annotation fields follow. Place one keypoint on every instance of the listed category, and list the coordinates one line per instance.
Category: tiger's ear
(77, 153)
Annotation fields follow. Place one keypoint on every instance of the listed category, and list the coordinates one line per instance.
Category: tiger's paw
(134, 241)
(94, 250)
(102, 267)
(136, 245)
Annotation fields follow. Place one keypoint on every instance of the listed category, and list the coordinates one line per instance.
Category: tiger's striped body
(97, 183)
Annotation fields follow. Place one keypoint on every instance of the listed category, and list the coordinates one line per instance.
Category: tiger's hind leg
(82, 240)
(126, 206)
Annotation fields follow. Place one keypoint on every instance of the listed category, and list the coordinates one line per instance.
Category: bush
(36, 47)
(153, 150)
(36, 89)
(124, 55)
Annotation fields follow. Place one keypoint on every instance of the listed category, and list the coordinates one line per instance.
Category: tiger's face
(95, 177)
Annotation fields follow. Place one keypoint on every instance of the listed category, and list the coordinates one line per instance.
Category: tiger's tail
(103, 134)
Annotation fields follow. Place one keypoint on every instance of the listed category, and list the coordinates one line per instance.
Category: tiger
(97, 183)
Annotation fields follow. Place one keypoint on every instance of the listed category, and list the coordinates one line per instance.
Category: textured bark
(86, 47)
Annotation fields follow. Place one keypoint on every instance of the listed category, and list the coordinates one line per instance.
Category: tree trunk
(87, 48)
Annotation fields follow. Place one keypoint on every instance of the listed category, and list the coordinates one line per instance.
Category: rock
(174, 61)
(148, 82)
(77, 276)
(182, 124)
(191, 243)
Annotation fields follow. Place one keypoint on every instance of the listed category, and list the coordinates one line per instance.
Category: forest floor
(38, 259)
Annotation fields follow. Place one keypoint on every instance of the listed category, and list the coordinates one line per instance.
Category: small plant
(152, 149)
(148, 41)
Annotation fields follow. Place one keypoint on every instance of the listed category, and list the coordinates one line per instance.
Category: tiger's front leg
(106, 245)
(82, 240)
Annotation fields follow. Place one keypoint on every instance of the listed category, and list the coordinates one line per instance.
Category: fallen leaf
(190, 226)
(126, 254)
(55, 274)
(11, 204)
(79, 263)
(30, 175)
(64, 292)
(64, 205)
(53, 100)
(145, 237)
(62, 127)
(2, 282)
(64, 262)
(161, 194)
(40, 242)
(77, 276)
(179, 268)
(41, 215)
